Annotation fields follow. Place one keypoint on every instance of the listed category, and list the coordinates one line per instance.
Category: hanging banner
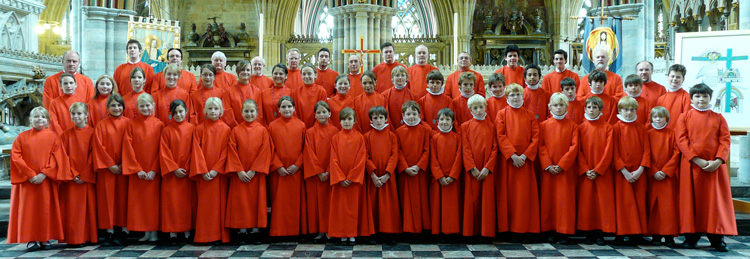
(602, 34)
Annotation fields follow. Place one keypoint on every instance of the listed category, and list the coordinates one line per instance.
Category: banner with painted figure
(602, 34)
(156, 37)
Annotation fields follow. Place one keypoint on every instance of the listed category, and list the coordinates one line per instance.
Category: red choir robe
(518, 133)
(382, 158)
(210, 153)
(677, 102)
(479, 150)
(131, 105)
(576, 110)
(453, 90)
(122, 77)
(362, 105)
(178, 199)
(394, 99)
(596, 198)
(663, 211)
(494, 105)
(59, 113)
(97, 109)
(414, 142)
(236, 95)
(644, 110)
(536, 100)
(198, 103)
(355, 86)
(430, 105)
(261, 81)
(337, 103)
(84, 88)
(551, 81)
(316, 160)
(652, 91)
(164, 97)
(614, 86)
(223, 80)
(294, 79)
(418, 79)
(460, 107)
(186, 82)
(513, 75)
(327, 79)
(558, 145)
(111, 189)
(250, 149)
(383, 73)
(445, 161)
(705, 197)
(609, 111)
(288, 212)
(78, 201)
(270, 98)
(632, 150)
(35, 208)
(305, 97)
(140, 152)
(348, 204)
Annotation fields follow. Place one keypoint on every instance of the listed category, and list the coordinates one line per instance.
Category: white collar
(469, 96)
(570, 100)
(415, 124)
(445, 131)
(592, 91)
(379, 129)
(701, 110)
(442, 90)
(533, 87)
(133, 63)
(479, 118)
(634, 96)
(619, 116)
(511, 105)
(400, 88)
(657, 127)
(592, 119)
(497, 96)
(350, 73)
(559, 117)
(322, 69)
(670, 89)
(74, 73)
(560, 71)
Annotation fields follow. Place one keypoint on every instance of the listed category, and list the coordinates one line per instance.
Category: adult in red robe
(512, 71)
(452, 83)
(355, 77)
(70, 61)
(383, 70)
(418, 72)
(258, 79)
(326, 76)
(186, 79)
(223, 79)
(551, 81)
(122, 72)
(651, 89)
(294, 74)
(614, 81)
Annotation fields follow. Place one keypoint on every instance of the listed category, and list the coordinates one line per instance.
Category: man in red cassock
(258, 79)
(452, 84)
(551, 81)
(326, 75)
(187, 80)
(223, 80)
(418, 72)
(294, 75)
(122, 72)
(512, 71)
(383, 70)
(71, 61)
(614, 81)
(651, 90)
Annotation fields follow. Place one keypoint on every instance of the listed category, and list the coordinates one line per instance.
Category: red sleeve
(503, 142)
(234, 163)
(312, 165)
(457, 165)
(437, 172)
(531, 149)
(197, 160)
(102, 160)
(724, 139)
(468, 157)
(395, 151)
(606, 159)
(166, 158)
(130, 164)
(21, 172)
(263, 160)
(356, 174)
(424, 160)
(569, 158)
(681, 136)
(544, 158)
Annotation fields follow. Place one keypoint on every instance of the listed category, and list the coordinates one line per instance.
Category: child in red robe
(413, 181)
(270, 96)
(382, 159)
(518, 139)
(596, 194)
(288, 215)
(496, 101)
(396, 96)
(140, 162)
(459, 104)
(111, 185)
(575, 106)
(208, 90)
(558, 149)
(249, 155)
(347, 167)
(105, 85)
(242, 90)
(435, 99)
(341, 99)
(364, 102)
(479, 161)
(631, 158)
(535, 98)
(317, 171)
(598, 81)
(58, 108)
(178, 201)
(633, 86)
(137, 81)
(78, 197)
(445, 165)
(663, 186)
(171, 91)
(705, 195)
(308, 95)
(208, 169)
(676, 100)
(37, 161)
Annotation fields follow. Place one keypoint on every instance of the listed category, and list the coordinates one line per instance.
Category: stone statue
(39, 72)
(193, 36)
(243, 37)
(538, 20)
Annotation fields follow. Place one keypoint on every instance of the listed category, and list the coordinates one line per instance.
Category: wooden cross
(361, 51)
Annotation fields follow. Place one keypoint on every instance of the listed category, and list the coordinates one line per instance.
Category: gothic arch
(11, 34)
(311, 10)
(428, 22)
(55, 10)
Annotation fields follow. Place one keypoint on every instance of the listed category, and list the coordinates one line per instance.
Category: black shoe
(172, 241)
(600, 241)
(242, 238)
(107, 239)
(75, 245)
(48, 246)
(721, 247)
(669, 241)
(637, 240)
(590, 240)
(688, 245)
(656, 240)
(552, 238)
(619, 241)
(565, 241)
(32, 246)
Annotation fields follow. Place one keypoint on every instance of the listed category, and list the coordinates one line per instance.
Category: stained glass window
(326, 24)
(406, 22)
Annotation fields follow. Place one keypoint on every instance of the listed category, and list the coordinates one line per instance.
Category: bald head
(421, 54)
(71, 61)
(464, 61)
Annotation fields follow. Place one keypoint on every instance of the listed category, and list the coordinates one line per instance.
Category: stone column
(744, 14)
(104, 38)
(361, 20)
(637, 38)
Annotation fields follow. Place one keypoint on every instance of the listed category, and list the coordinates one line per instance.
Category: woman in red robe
(663, 185)
(382, 159)
(78, 197)
(207, 168)
(446, 165)
(137, 81)
(307, 96)
(140, 162)
(242, 90)
(365, 101)
(37, 161)
(413, 162)
(164, 97)
(111, 185)
(316, 159)
(249, 157)
(178, 198)
(270, 96)
(105, 85)
(288, 215)
(480, 169)
(348, 158)
(341, 99)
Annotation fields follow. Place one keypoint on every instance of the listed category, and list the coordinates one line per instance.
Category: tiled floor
(739, 248)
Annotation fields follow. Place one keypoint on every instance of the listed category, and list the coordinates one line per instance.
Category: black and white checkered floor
(739, 247)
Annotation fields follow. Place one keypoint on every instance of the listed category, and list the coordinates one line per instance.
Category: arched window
(406, 22)
(326, 24)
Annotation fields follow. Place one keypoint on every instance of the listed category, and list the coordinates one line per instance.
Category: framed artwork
(156, 37)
